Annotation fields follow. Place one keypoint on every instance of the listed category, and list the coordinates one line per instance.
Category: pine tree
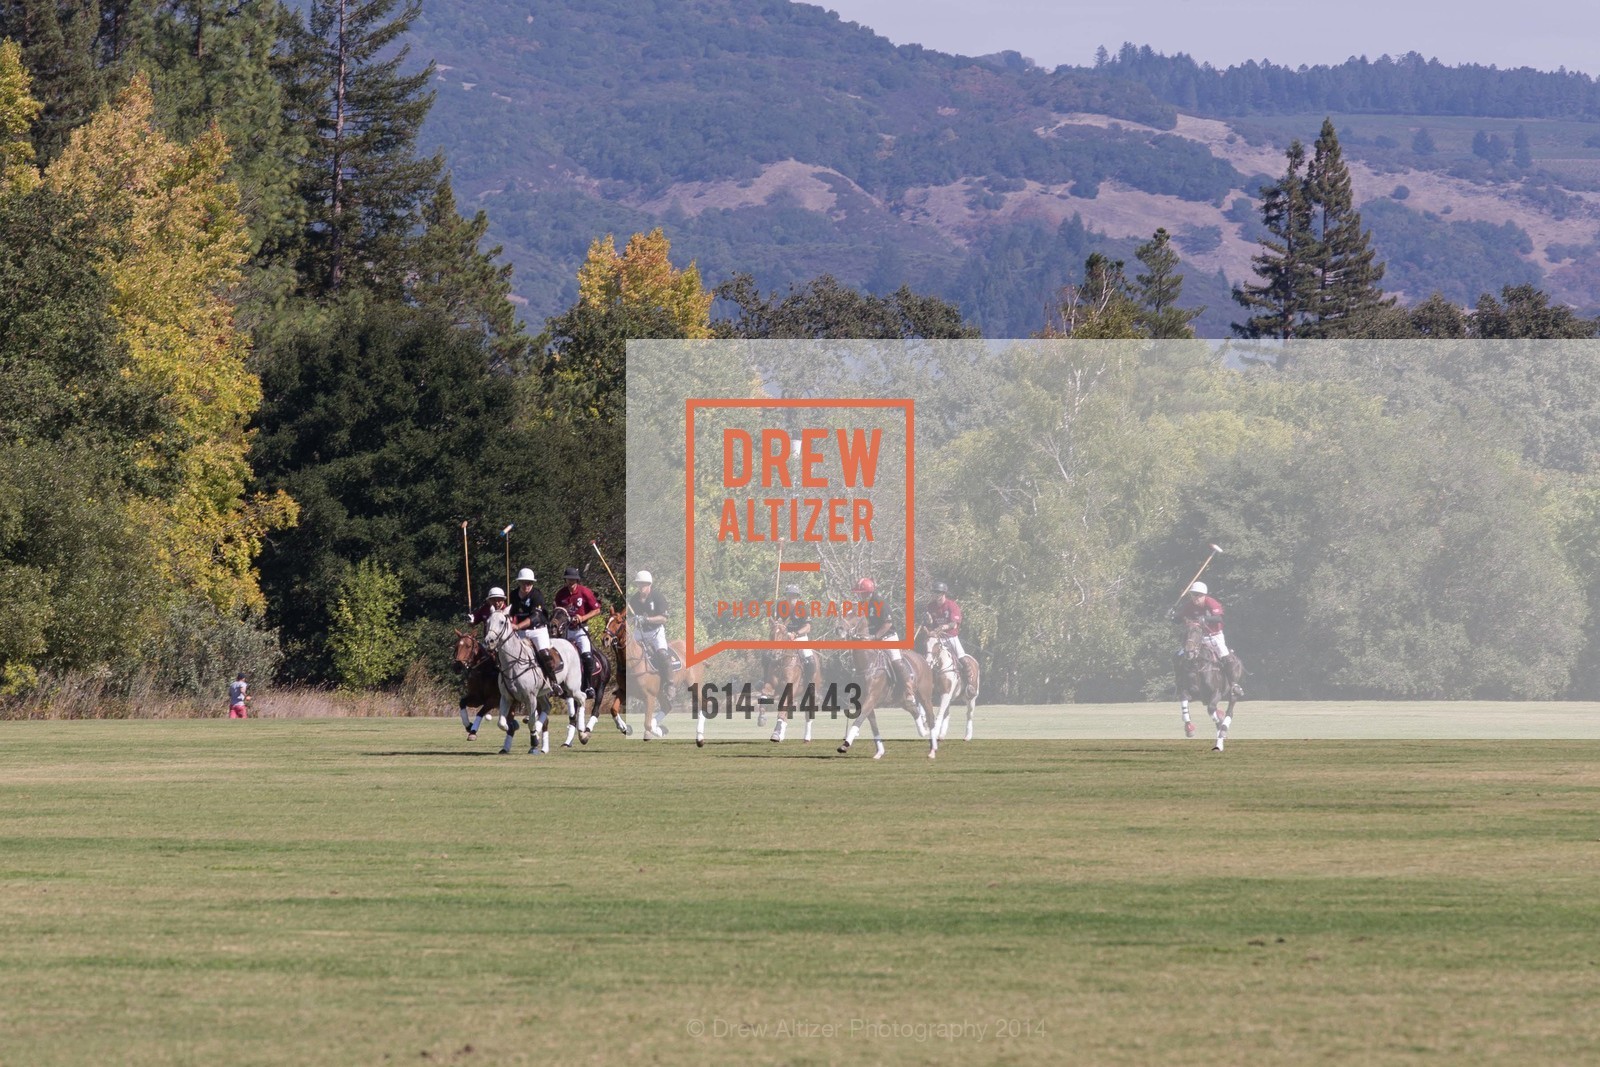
(58, 40)
(1422, 142)
(1286, 294)
(220, 61)
(365, 187)
(1346, 276)
(1527, 314)
(388, 425)
(1521, 149)
(1101, 307)
(1160, 289)
(464, 284)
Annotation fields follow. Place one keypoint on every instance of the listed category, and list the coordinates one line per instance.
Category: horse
(788, 675)
(560, 621)
(480, 678)
(1201, 677)
(880, 687)
(952, 680)
(643, 679)
(522, 681)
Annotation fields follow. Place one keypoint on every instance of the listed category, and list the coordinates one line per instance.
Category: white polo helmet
(1199, 587)
(643, 578)
(526, 575)
(497, 593)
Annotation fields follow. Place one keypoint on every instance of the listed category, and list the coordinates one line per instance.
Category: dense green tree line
(258, 195)
(1408, 84)
(258, 370)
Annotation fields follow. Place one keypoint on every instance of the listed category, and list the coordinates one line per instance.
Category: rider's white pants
(579, 637)
(656, 639)
(1218, 645)
(539, 635)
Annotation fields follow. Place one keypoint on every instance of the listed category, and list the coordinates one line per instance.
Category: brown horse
(880, 688)
(643, 683)
(480, 680)
(1201, 677)
(786, 673)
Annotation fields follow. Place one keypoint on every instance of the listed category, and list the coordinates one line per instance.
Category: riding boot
(590, 670)
(1235, 671)
(548, 666)
(663, 661)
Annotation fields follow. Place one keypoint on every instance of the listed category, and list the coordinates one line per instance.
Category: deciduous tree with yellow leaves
(171, 239)
(643, 279)
(18, 110)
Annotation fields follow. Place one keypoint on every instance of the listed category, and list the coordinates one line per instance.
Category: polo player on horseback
(495, 601)
(944, 616)
(888, 629)
(581, 605)
(797, 627)
(530, 618)
(650, 610)
(1200, 608)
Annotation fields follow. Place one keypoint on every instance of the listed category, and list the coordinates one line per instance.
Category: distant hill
(774, 138)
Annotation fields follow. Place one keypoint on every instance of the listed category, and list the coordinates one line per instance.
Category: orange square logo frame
(694, 655)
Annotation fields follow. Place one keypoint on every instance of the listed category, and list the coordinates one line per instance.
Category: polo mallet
(595, 545)
(466, 562)
(1214, 552)
(505, 535)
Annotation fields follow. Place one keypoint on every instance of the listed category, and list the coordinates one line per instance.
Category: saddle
(556, 662)
(672, 658)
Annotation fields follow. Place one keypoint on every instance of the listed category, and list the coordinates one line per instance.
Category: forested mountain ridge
(775, 138)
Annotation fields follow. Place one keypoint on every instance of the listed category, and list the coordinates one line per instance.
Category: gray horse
(521, 680)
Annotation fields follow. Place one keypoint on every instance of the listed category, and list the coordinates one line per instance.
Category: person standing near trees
(238, 698)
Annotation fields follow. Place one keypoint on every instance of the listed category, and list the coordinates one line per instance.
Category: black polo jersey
(645, 605)
(530, 607)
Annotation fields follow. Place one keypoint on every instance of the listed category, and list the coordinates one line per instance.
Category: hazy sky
(1537, 33)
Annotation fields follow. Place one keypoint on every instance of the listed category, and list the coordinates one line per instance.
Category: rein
(522, 660)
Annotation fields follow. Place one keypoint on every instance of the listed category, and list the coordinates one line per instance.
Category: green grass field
(384, 892)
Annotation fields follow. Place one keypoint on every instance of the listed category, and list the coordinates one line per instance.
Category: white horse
(521, 680)
(948, 682)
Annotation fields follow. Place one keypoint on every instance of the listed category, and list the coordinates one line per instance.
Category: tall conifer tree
(58, 41)
(363, 183)
(1159, 290)
(1286, 294)
(221, 61)
(1347, 274)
